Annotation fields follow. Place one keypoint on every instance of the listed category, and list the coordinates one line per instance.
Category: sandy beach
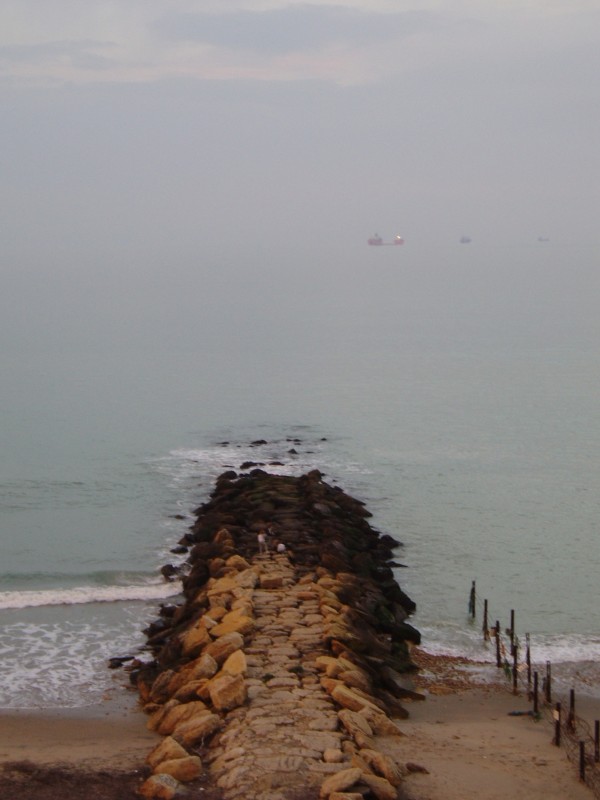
(472, 748)
(476, 739)
(112, 735)
(93, 752)
(462, 734)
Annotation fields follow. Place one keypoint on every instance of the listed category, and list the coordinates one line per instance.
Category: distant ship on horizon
(377, 241)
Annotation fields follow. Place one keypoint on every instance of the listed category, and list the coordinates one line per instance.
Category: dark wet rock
(179, 550)
(248, 465)
(170, 571)
(390, 542)
(229, 475)
(158, 626)
(117, 661)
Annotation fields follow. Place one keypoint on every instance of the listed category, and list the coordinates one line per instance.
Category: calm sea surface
(458, 396)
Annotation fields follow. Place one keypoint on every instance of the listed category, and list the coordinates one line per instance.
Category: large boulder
(233, 622)
(166, 750)
(203, 667)
(227, 691)
(357, 726)
(182, 769)
(194, 640)
(236, 664)
(161, 787)
(380, 787)
(181, 713)
(224, 646)
(159, 692)
(197, 730)
(340, 781)
(382, 765)
(348, 698)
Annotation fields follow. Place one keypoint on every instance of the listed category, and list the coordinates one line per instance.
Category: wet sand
(112, 735)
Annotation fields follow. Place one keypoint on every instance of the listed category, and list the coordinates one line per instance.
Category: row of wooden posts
(533, 681)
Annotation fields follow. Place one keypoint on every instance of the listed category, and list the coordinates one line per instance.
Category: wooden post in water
(512, 630)
(597, 741)
(582, 761)
(472, 597)
(515, 668)
(557, 725)
(535, 694)
(571, 717)
(498, 655)
(486, 631)
(528, 659)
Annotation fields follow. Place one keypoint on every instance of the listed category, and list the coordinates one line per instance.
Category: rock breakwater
(283, 672)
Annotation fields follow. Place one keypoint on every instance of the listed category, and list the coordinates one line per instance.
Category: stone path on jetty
(287, 736)
(280, 675)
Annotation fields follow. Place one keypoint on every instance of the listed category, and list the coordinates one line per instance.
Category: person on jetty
(263, 547)
(280, 547)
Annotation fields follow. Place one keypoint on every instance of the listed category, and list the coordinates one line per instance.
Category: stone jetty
(285, 670)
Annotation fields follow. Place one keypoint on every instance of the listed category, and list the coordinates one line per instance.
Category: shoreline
(289, 671)
(462, 734)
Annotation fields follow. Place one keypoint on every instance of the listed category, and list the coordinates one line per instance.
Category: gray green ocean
(453, 389)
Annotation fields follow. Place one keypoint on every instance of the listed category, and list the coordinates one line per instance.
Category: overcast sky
(145, 138)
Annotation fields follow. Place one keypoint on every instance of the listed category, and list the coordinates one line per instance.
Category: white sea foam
(185, 464)
(59, 657)
(88, 594)
(574, 659)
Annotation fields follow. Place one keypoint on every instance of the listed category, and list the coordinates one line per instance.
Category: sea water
(457, 396)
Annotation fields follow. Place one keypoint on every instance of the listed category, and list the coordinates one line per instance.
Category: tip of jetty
(283, 672)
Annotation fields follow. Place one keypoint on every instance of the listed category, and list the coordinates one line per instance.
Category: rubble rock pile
(284, 669)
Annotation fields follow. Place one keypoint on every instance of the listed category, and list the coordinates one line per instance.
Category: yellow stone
(227, 692)
(236, 664)
(165, 751)
(181, 713)
(194, 640)
(182, 769)
(340, 781)
(238, 624)
(161, 787)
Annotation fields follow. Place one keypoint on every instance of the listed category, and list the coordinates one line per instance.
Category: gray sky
(145, 139)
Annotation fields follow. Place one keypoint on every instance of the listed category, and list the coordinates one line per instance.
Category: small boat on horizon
(377, 241)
